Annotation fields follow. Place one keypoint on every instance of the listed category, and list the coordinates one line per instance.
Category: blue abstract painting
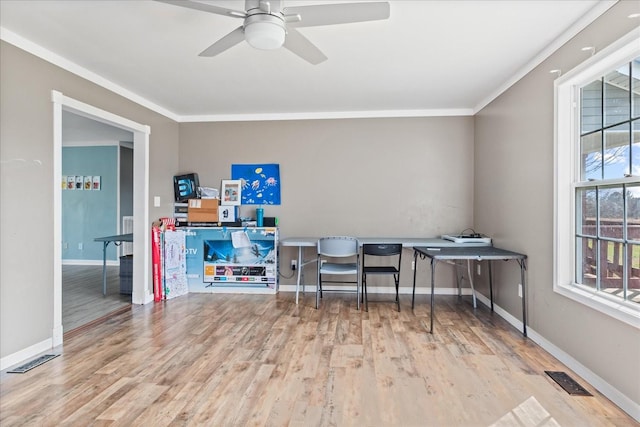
(260, 183)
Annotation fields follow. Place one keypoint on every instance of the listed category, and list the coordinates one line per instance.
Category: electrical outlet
(413, 265)
(294, 264)
(65, 245)
(80, 246)
(520, 290)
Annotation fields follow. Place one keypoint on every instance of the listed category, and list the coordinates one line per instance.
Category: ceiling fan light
(264, 35)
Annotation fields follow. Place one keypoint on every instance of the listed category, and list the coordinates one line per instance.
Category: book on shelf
(180, 207)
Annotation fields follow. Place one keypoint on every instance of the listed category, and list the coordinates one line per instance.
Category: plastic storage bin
(126, 274)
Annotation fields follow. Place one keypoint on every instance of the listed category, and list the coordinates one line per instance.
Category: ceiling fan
(269, 25)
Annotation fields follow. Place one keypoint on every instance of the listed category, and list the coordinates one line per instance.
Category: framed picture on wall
(231, 192)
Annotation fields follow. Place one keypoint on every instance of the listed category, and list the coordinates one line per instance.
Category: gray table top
(117, 238)
(407, 242)
(468, 252)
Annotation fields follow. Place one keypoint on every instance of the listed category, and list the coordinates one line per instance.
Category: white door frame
(142, 291)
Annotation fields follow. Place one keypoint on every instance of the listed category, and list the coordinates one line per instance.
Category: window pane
(633, 213)
(616, 96)
(591, 102)
(591, 156)
(611, 204)
(611, 262)
(635, 82)
(616, 151)
(633, 274)
(586, 211)
(586, 261)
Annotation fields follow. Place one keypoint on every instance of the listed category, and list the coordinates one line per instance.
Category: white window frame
(566, 166)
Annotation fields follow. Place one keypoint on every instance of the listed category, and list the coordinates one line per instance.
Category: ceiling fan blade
(329, 14)
(203, 7)
(227, 42)
(301, 46)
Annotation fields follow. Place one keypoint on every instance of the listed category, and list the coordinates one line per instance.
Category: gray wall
(26, 114)
(360, 177)
(514, 204)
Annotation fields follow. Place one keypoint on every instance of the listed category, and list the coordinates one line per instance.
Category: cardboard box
(203, 210)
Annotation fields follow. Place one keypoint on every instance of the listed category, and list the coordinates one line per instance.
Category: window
(597, 205)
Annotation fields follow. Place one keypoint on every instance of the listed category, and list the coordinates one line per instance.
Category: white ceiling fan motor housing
(264, 26)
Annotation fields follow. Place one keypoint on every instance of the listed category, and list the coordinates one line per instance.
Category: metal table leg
(415, 269)
(491, 284)
(433, 280)
(523, 267)
(104, 267)
(299, 272)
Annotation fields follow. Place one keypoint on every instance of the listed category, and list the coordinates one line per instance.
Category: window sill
(626, 312)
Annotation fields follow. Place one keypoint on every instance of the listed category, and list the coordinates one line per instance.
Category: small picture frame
(231, 192)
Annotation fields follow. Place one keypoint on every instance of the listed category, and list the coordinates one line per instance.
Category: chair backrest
(386, 249)
(380, 250)
(338, 246)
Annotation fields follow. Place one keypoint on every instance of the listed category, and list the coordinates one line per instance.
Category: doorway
(97, 197)
(141, 287)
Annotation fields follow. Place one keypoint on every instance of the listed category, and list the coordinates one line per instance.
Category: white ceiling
(428, 58)
(80, 130)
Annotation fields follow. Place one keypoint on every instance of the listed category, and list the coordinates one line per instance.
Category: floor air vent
(30, 365)
(568, 384)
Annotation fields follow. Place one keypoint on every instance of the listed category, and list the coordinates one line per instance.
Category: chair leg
(364, 289)
(318, 290)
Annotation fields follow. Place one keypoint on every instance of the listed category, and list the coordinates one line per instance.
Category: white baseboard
(24, 354)
(622, 401)
(404, 290)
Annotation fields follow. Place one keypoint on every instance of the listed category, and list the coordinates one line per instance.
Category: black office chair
(379, 251)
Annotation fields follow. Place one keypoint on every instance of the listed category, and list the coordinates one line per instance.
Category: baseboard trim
(26, 353)
(621, 400)
(403, 290)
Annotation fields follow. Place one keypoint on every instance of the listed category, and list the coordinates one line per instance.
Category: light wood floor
(235, 360)
(82, 298)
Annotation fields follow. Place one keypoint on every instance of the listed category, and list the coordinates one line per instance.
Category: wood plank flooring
(256, 360)
(82, 299)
